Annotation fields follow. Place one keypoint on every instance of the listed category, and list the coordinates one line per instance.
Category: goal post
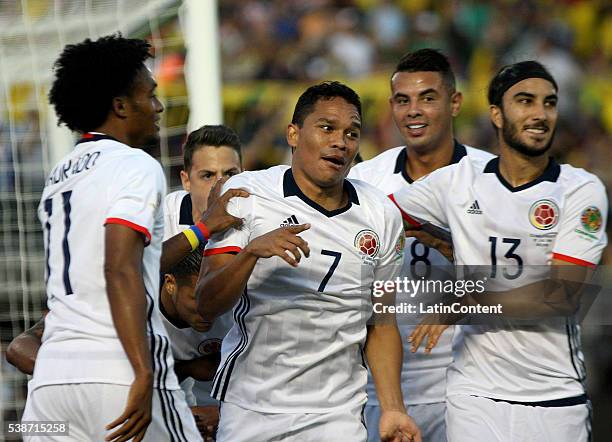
(32, 35)
(202, 65)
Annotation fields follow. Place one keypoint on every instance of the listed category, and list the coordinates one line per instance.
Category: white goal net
(32, 35)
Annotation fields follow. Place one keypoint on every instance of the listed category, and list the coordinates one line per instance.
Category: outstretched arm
(557, 296)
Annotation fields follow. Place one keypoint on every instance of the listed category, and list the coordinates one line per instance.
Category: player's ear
(495, 113)
(170, 284)
(456, 101)
(185, 181)
(292, 136)
(119, 107)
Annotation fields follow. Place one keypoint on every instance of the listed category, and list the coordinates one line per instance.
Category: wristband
(192, 238)
(203, 230)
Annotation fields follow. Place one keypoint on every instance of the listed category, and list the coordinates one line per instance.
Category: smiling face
(208, 165)
(423, 108)
(326, 143)
(142, 111)
(528, 116)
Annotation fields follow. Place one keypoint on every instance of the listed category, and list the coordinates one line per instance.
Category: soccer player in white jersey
(210, 154)
(423, 102)
(104, 365)
(540, 227)
(196, 346)
(292, 365)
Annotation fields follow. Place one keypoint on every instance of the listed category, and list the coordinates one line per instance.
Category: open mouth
(416, 129)
(536, 130)
(337, 161)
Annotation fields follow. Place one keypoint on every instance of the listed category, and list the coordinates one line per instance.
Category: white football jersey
(186, 342)
(101, 181)
(423, 376)
(178, 214)
(560, 215)
(297, 344)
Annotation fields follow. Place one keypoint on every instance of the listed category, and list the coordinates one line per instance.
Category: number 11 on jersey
(48, 206)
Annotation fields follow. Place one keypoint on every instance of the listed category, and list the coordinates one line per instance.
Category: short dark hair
(88, 75)
(428, 60)
(511, 74)
(323, 91)
(210, 135)
(189, 265)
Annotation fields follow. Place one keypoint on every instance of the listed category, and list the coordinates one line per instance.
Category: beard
(511, 138)
(151, 142)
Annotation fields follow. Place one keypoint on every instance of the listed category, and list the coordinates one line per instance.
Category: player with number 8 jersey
(424, 103)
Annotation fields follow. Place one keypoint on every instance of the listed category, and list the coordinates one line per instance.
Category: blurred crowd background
(270, 51)
(270, 44)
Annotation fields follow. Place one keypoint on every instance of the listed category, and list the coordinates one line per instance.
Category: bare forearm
(22, 352)
(200, 369)
(384, 353)
(218, 290)
(174, 249)
(541, 299)
(128, 304)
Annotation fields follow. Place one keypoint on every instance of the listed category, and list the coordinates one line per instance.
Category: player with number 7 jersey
(297, 341)
(299, 276)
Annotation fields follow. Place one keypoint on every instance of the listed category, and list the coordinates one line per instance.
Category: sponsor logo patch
(291, 221)
(475, 209)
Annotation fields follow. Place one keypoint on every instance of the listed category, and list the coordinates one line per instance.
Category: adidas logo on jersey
(291, 221)
(474, 209)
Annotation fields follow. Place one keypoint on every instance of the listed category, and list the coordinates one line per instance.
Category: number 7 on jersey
(330, 272)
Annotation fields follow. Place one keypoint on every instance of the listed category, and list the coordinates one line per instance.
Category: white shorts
(237, 424)
(88, 408)
(474, 419)
(428, 417)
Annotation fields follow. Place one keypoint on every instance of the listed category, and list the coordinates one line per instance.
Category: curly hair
(88, 75)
